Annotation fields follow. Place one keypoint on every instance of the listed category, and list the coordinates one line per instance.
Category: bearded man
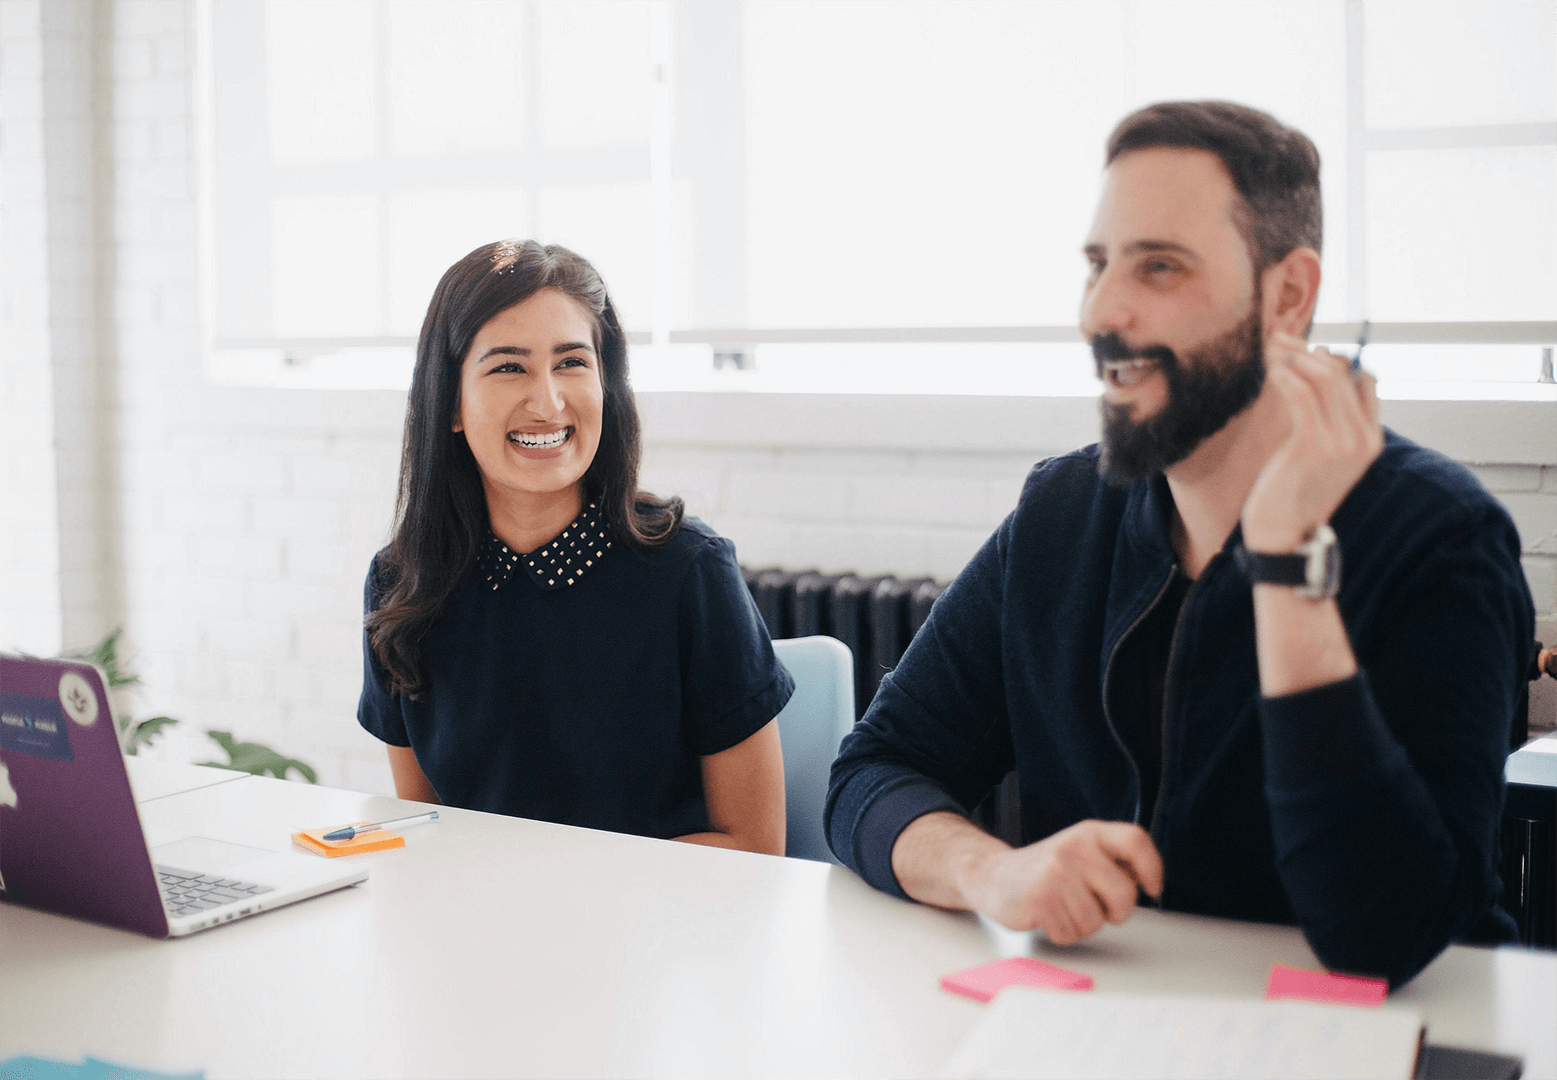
(1200, 704)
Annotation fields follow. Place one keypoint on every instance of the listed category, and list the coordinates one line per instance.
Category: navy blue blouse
(582, 682)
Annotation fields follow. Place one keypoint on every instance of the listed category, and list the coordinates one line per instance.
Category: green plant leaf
(257, 759)
(139, 733)
(105, 654)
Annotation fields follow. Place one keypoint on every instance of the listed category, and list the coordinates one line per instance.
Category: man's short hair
(1275, 169)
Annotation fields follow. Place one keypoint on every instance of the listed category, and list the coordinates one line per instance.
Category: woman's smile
(540, 444)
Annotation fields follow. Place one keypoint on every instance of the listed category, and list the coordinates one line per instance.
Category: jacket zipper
(1108, 671)
(1167, 700)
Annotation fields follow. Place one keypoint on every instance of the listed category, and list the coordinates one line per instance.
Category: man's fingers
(1086, 915)
(1054, 916)
(1340, 411)
(1302, 402)
(1368, 393)
(1132, 849)
(1116, 892)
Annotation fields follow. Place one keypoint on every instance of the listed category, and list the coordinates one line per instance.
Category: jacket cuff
(884, 821)
(1330, 733)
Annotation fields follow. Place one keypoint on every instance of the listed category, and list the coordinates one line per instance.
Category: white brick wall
(244, 520)
(32, 259)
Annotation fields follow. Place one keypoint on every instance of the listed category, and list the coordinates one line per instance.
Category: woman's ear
(1291, 290)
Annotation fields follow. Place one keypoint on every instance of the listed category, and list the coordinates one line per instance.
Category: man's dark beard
(1219, 381)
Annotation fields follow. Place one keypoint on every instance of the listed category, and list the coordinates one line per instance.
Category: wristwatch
(1313, 570)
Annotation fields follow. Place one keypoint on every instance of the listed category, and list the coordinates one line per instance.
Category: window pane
(1446, 63)
(325, 264)
(609, 225)
(431, 230)
(980, 369)
(1453, 363)
(914, 164)
(455, 76)
(1462, 234)
(319, 64)
(595, 72)
(908, 140)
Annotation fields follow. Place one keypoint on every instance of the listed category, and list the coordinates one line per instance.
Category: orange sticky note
(985, 981)
(314, 841)
(1290, 982)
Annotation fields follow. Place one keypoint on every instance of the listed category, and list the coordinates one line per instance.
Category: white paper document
(1079, 1035)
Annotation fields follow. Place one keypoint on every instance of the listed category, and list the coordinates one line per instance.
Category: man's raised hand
(1334, 437)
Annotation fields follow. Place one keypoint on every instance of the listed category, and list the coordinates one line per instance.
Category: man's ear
(1291, 289)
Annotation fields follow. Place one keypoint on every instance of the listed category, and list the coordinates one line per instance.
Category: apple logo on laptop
(76, 695)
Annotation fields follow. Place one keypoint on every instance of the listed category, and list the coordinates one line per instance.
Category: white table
(494, 946)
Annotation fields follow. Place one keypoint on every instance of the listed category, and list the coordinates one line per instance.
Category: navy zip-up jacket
(1366, 811)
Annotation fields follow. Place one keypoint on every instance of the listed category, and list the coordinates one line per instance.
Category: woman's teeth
(548, 441)
(1128, 372)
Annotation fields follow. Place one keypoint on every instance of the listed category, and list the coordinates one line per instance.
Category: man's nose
(1106, 307)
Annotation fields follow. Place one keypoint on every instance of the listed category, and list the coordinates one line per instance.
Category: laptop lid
(70, 836)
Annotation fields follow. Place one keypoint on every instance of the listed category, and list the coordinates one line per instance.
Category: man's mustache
(1110, 346)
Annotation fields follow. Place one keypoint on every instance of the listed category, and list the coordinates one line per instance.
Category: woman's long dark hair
(441, 511)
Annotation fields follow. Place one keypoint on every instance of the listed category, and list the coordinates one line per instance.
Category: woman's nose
(545, 397)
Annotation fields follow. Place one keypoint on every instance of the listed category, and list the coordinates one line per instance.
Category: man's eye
(1157, 266)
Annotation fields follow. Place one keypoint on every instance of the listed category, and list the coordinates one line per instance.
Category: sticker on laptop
(7, 792)
(35, 726)
(77, 698)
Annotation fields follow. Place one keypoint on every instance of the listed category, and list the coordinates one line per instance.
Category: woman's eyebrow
(504, 350)
(572, 346)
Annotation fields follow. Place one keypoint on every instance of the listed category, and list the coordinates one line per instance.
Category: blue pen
(351, 832)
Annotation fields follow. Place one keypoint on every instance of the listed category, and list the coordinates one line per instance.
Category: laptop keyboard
(187, 893)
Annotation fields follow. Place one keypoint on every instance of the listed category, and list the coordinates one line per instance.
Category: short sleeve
(732, 684)
(378, 710)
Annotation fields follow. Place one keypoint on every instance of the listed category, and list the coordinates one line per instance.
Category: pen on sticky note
(351, 832)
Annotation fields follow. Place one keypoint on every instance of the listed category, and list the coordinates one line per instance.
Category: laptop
(71, 840)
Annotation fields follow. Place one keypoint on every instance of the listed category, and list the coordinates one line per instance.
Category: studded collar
(559, 562)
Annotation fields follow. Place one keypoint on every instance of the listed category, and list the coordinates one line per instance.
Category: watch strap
(1272, 569)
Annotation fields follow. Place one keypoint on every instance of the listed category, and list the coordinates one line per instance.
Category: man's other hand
(1071, 883)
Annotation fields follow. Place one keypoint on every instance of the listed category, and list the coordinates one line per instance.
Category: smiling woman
(542, 638)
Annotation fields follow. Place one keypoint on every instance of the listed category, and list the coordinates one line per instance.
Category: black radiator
(876, 617)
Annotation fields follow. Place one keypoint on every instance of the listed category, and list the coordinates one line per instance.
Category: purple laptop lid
(70, 837)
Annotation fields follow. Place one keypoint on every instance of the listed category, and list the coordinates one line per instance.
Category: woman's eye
(572, 361)
(505, 369)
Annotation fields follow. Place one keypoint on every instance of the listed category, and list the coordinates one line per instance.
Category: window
(844, 190)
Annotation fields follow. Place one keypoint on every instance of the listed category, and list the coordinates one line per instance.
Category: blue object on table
(811, 726)
(37, 1068)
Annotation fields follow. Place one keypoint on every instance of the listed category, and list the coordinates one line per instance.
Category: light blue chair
(811, 726)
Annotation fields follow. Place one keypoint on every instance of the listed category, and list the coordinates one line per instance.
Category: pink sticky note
(1290, 982)
(987, 980)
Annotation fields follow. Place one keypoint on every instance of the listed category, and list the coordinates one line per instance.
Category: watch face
(1332, 581)
(1324, 565)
